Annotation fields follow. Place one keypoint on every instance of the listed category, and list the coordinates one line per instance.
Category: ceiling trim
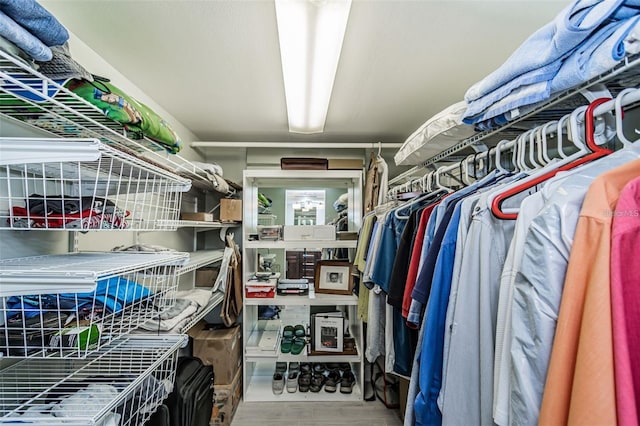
(316, 145)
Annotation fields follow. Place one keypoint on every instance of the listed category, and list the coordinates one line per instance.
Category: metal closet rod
(630, 96)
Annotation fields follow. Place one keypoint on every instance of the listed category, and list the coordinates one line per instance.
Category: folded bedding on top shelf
(31, 28)
(438, 133)
(37, 20)
(23, 39)
(563, 54)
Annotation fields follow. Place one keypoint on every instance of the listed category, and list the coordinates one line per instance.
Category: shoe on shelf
(344, 366)
(304, 382)
(281, 367)
(285, 345)
(292, 382)
(299, 330)
(288, 331)
(347, 381)
(333, 379)
(305, 367)
(277, 384)
(316, 382)
(294, 366)
(319, 368)
(298, 345)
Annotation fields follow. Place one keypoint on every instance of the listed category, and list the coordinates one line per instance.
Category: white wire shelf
(124, 383)
(76, 272)
(83, 185)
(215, 300)
(199, 225)
(32, 98)
(200, 258)
(72, 305)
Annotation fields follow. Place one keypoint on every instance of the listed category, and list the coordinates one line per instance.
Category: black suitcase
(191, 402)
(160, 418)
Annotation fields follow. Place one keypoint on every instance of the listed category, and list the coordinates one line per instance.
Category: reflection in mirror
(305, 207)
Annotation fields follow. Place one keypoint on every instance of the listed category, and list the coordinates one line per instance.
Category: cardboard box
(225, 401)
(230, 210)
(221, 348)
(200, 217)
(345, 164)
(206, 277)
(308, 232)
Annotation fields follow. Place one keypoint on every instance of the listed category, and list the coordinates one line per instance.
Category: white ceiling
(215, 64)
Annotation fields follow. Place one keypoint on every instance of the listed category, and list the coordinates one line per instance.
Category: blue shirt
(383, 263)
(430, 376)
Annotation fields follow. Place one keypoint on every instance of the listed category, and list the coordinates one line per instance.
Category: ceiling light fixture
(311, 34)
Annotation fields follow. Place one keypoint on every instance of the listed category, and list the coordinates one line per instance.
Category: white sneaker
(277, 384)
(292, 382)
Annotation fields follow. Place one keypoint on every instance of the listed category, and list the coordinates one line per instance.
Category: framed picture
(333, 277)
(328, 333)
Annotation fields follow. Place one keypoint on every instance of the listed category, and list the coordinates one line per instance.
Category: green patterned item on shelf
(135, 116)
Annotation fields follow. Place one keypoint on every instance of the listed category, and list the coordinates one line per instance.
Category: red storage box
(259, 291)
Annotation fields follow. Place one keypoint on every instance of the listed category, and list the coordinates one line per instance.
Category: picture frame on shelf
(333, 277)
(328, 334)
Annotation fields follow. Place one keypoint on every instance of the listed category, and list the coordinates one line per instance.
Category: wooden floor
(363, 413)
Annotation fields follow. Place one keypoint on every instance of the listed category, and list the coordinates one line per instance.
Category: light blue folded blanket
(30, 44)
(504, 98)
(551, 43)
(525, 95)
(598, 55)
(34, 18)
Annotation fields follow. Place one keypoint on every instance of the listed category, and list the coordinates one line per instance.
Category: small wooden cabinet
(302, 264)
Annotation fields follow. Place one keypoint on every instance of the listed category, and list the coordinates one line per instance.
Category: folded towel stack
(586, 38)
(31, 27)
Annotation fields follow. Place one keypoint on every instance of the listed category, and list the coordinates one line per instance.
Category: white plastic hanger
(498, 161)
(619, 113)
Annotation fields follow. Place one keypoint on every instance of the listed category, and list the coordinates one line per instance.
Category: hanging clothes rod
(520, 146)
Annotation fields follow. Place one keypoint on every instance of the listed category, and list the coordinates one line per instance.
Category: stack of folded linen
(187, 303)
(587, 38)
(31, 28)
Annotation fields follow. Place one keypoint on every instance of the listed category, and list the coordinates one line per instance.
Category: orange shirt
(580, 387)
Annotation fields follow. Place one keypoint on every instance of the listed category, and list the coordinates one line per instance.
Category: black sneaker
(316, 383)
(332, 381)
(304, 382)
(346, 384)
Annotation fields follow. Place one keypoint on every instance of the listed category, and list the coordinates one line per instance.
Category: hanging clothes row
(467, 302)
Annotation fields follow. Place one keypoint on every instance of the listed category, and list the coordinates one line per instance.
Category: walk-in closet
(305, 212)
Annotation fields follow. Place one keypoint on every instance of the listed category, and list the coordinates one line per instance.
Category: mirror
(305, 207)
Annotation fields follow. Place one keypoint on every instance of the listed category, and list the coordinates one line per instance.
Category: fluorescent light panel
(311, 34)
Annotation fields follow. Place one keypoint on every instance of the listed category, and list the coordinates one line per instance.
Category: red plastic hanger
(597, 152)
